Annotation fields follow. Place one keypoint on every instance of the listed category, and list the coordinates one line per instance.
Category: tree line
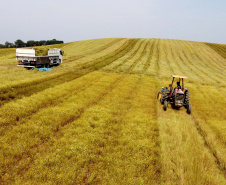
(19, 43)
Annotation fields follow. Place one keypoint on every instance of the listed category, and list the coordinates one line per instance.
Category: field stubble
(95, 119)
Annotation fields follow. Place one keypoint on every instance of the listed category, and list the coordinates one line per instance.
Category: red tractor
(178, 97)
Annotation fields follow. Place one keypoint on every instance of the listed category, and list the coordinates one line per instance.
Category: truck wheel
(165, 105)
(189, 109)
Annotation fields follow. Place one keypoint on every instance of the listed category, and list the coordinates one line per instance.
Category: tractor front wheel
(165, 105)
(189, 109)
(164, 95)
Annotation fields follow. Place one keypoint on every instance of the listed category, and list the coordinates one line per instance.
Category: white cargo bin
(54, 52)
(22, 52)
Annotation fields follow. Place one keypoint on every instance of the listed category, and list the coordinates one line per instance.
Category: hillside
(95, 119)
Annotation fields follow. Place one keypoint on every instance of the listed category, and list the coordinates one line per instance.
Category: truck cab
(55, 56)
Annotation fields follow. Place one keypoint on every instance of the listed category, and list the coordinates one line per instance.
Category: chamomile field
(96, 119)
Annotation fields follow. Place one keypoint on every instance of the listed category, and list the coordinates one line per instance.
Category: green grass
(95, 118)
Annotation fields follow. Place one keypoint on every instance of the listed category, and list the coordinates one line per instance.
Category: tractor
(177, 97)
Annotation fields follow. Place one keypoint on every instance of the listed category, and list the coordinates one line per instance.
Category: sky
(75, 20)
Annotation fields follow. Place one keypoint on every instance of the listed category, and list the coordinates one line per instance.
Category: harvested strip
(11, 113)
(117, 63)
(125, 67)
(184, 153)
(43, 128)
(26, 89)
(93, 143)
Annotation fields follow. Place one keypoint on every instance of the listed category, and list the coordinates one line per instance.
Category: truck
(27, 58)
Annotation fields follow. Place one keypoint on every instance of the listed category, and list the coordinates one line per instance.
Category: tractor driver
(178, 85)
(176, 88)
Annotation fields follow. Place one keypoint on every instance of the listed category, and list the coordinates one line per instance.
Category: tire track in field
(27, 89)
(35, 148)
(205, 131)
(220, 164)
(185, 156)
(209, 100)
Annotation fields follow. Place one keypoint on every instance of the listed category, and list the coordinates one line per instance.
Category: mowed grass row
(73, 50)
(177, 57)
(193, 146)
(80, 49)
(209, 117)
(29, 87)
(137, 61)
(130, 64)
(107, 144)
(13, 114)
(186, 159)
(219, 48)
(35, 130)
(22, 75)
(110, 128)
(119, 62)
(205, 141)
(206, 65)
(169, 57)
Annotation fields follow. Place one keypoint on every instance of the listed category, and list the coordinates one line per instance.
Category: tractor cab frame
(177, 96)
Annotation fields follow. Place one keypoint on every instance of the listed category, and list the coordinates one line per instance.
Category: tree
(19, 43)
(30, 43)
(9, 44)
(42, 42)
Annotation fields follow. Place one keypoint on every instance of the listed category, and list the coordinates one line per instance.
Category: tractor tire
(165, 105)
(164, 95)
(186, 98)
(189, 109)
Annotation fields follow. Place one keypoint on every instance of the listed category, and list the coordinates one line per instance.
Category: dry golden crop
(95, 118)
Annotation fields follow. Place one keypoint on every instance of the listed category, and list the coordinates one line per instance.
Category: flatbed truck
(26, 58)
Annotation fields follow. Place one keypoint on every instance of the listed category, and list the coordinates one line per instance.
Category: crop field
(96, 119)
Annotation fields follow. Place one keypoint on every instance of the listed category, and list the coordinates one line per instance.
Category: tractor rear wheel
(165, 105)
(189, 109)
(186, 98)
(164, 95)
